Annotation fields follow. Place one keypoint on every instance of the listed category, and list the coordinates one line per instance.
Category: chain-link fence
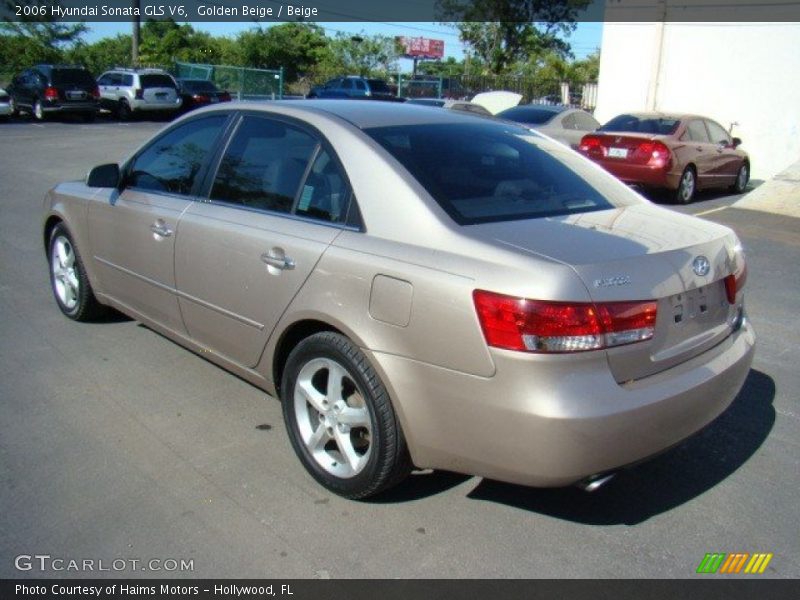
(242, 83)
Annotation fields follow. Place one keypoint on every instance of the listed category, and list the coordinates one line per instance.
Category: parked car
(130, 92)
(419, 287)
(462, 105)
(676, 152)
(6, 105)
(45, 90)
(353, 87)
(565, 124)
(196, 93)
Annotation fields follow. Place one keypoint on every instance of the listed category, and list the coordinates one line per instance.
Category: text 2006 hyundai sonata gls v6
(419, 287)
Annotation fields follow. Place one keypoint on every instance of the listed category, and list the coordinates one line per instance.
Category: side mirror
(736, 142)
(104, 176)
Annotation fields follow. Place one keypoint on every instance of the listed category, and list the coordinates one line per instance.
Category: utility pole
(135, 34)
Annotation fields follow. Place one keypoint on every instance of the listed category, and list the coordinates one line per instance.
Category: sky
(584, 40)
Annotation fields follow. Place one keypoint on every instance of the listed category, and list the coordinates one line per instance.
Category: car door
(700, 151)
(726, 160)
(133, 233)
(243, 254)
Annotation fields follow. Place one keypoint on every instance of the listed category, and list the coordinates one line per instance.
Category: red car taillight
(139, 93)
(224, 97)
(556, 327)
(96, 93)
(51, 93)
(734, 283)
(655, 154)
(592, 146)
(201, 98)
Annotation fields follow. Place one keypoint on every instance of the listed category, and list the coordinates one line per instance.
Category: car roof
(664, 115)
(366, 114)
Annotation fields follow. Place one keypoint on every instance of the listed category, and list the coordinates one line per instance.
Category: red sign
(421, 47)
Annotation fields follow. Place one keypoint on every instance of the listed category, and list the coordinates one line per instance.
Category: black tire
(687, 187)
(37, 111)
(89, 117)
(86, 307)
(742, 178)
(124, 112)
(385, 459)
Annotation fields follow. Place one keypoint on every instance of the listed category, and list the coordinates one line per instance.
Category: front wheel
(742, 177)
(38, 111)
(687, 187)
(340, 419)
(68, 278)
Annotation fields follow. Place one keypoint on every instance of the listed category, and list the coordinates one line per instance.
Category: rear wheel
(38, 111)
(687, 186)
(339, 418)
(89, 117)
(124, 111)
(742, 177)
(68, 278)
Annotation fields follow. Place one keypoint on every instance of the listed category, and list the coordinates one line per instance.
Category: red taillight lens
(51, 93)
(201, 98)
(734, 283)
(655, 154)
(591, 145)
(139, 93)
(224, 97)
(96, 93)
(542, 326)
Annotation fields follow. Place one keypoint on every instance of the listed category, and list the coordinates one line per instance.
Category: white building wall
(748, 73)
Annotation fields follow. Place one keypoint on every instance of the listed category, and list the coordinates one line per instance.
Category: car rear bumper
(143, 106)
(71, 107)
(656, 177)
(555, 420)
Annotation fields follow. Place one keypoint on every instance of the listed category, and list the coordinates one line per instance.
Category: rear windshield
(634, 124)
(72, 76)
(425, 102)
(484, 172)
(526, 114)
(377, 85)
(156, 81)
(199, 86)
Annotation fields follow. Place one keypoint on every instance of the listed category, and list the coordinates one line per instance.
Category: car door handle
(276, 259)
(699, 148)
(160, 228)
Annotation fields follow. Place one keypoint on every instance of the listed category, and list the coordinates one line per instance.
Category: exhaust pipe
(595, 482)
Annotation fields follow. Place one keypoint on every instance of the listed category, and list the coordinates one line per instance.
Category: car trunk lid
(642, 253)
(635, 148)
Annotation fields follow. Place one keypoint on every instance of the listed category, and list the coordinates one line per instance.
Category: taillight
(591, 144)
(96, 93)
(655, 154)
(224, 97)
(201, 98)
(734, 283)
(139, 93)
(556, 327)
(51, 93)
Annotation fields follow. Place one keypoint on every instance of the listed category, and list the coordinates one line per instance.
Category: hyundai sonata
(418, 287)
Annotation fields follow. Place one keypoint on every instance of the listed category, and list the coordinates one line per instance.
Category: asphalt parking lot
(116, 443)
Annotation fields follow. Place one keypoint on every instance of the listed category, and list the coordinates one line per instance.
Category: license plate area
(618, 152)
(76, 95)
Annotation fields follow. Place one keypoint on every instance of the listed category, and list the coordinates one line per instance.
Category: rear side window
(72, 77)
(378, 85)
(171, 163)
(325, 193)
(264, 165)
(585, 122)
(156, 81)
(483, 172)
(635, 124)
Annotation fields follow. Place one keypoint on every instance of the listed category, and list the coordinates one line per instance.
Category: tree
(297, 47)
(102, 54)
(501, 32)
(363, 54)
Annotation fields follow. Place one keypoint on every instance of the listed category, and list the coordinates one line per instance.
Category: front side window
(718, 134)
(263, 165)
(483, 172)
(171, 163)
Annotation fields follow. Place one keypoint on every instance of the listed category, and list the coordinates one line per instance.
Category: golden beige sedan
(418, 287)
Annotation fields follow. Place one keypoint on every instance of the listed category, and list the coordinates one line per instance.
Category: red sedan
(679, 153)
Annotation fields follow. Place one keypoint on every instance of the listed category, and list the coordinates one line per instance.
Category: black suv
(46, 89)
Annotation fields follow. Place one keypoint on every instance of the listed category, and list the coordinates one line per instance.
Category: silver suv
(130, 91)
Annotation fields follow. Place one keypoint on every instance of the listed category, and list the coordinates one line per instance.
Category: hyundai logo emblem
(701, 266)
